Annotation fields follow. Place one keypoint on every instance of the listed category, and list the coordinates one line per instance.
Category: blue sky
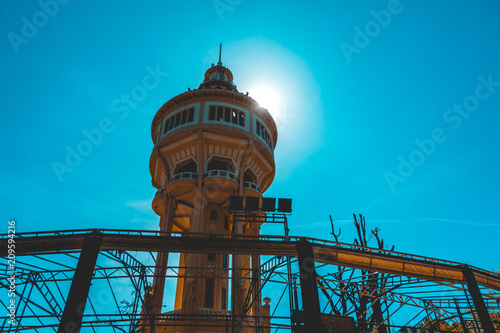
(359, 88)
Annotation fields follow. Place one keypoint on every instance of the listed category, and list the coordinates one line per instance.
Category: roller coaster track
(327, 252)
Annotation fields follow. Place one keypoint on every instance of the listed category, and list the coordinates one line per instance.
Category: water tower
(210, 143)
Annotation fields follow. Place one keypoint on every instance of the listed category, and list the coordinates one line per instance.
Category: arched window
(186, 166)
(249, 176)
(218, 163)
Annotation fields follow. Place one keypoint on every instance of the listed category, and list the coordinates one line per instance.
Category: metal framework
(91, 279)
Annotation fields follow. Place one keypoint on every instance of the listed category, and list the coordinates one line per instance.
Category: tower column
(162, 258)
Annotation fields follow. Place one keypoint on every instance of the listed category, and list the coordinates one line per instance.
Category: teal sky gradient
(345, 120)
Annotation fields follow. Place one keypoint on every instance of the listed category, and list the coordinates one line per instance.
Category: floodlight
(235, 203)
(269, 204)
(252, 204)
(284, 205)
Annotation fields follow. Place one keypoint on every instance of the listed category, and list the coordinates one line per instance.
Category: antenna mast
(220, 53)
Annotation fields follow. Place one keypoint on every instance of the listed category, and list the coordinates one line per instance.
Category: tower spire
(218, 77)
(220, 54)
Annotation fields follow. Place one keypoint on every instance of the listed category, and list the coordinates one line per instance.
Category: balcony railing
(183, 175)
(214, 313)
(221, 173)
(175, 314)
(252, 186)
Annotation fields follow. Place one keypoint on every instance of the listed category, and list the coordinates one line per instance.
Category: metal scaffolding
(100, 280)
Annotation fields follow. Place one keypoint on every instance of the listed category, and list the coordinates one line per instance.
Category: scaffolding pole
(77, 297)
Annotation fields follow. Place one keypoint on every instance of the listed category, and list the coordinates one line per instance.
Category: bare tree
(372, 286)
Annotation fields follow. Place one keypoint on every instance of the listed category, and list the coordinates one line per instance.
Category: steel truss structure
(312, 283)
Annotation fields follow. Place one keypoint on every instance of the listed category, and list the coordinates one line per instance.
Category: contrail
(432, 219)
(414, 220)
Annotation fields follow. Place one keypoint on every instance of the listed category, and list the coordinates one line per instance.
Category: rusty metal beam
(309, 287)
(477, 298)
(368, 259)
(71, 320)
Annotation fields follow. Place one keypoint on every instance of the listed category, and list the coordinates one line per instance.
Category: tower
(210, 143)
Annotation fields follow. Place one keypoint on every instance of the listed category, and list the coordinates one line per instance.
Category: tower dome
(218, 77)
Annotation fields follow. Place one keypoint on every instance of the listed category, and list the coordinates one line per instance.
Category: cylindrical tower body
(209, 143)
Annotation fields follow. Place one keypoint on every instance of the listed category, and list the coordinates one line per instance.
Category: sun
(267, 98)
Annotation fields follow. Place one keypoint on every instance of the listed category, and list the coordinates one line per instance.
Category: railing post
(477, 298)
(77, 297)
